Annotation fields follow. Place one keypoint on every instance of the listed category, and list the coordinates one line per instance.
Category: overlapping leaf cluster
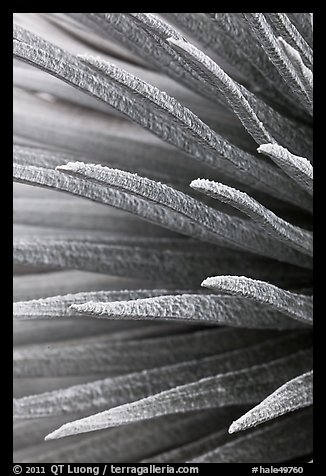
(163, 303)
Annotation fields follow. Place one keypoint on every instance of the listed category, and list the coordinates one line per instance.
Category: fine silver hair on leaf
(163, 241)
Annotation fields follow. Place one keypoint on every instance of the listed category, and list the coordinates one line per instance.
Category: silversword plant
(162, 237)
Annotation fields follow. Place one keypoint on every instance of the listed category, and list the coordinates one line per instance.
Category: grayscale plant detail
(163, 245)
